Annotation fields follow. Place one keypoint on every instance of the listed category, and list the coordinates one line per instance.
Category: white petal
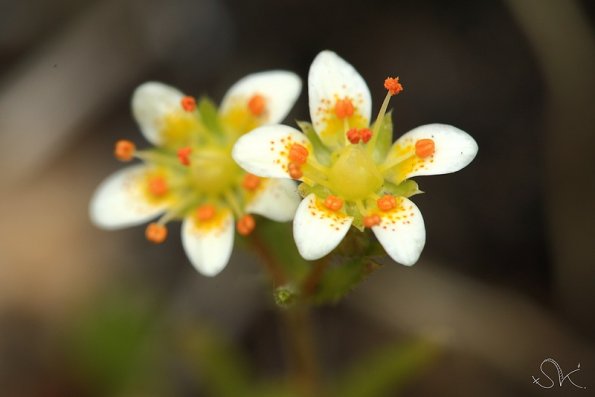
(208, 247)
(278, 200)
(454, 149)
(279, 88)
(317, 231)
(332, 78)
(151, 103)
(401, 232)
(265, 150)
(120, 200)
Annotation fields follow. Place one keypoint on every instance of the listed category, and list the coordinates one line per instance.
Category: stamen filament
(231, 200)
(157, 157)
(378, 122)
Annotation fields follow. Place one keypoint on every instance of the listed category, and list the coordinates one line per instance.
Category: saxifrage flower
(190, 175)
(351, 174)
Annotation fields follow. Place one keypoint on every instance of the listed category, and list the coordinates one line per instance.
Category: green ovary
(214, 171)
(354, 175)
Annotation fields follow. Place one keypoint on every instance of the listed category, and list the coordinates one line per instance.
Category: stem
(272, 267)
(303, 364)
(313, 278)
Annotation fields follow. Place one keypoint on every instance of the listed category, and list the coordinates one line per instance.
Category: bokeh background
(507, 277)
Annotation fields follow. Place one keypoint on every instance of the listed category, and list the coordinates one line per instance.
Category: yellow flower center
(354, 175)
(213, 171)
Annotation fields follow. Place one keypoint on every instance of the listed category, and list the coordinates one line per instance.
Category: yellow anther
(188, 103)
(298, 154)
(257, 104)
(392, 85)
(386, 202)
(371, 220)
(124, 150)
(158, 186)
(250, 182)
(156, 233)
(344, 108)
(424, 148)
(246, 225)
(333, 203)
(205, 212)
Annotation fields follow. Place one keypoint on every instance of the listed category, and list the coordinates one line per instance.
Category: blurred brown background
(508, 273)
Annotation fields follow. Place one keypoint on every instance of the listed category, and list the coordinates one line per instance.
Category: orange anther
(298, 154)
(158, 186)
(156, 233)
(205, 212)
(333, 203)
(184, 155)
(251, 182)
(124, 150)
(366, 134)
(245, 225)
(257, 104)
(392, 85)
(424, 148)
(344, 108)
(353, 136)
(295, 171)
(386, 202)
(188, 103)
(371, 220)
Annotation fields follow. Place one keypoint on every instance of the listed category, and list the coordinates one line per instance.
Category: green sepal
(320, 191)
(385, 137)
(209, 114)
(407, 188)
(321, 152)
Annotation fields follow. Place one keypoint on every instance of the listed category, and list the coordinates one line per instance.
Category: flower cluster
(190, 175)
(351, 173)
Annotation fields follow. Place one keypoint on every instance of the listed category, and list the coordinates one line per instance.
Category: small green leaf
(286, 295)
(209, 114)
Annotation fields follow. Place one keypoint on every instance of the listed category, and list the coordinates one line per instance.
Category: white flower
(190, 174)
(351, 174)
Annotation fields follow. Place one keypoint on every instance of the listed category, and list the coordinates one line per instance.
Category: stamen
(298, 154)
(188, 103)
(246, 225)
(333, 203)
(386, 202)
(366, 134)
(371, 220)
(205, 212)
(424, 148)
(158, 186)
(184, 155)
(124, 150)
(392, 85)
(344, 108)
(295, 171)
(251, 182)
(353, 136)
(257, 104)
(156, 233)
